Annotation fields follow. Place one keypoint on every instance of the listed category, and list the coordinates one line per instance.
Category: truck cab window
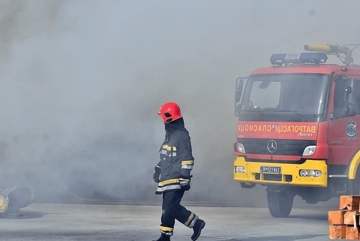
(356, 95)
(291, 97)
(265, 94)
(339, 98)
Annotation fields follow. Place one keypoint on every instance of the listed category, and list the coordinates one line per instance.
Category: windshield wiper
(294, 112)
(259, 111)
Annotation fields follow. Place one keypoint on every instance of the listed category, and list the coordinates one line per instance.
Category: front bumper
(289, 173)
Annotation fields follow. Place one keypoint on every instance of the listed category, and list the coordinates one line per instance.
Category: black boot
(199, 225)
(163, 237)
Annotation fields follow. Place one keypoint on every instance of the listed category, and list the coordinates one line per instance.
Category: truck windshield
(285, 97)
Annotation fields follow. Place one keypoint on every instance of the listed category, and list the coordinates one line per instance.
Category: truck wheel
(280, 203)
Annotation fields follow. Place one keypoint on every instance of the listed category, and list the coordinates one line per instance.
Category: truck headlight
(239, 169)
(310, 173)
(238, 147)
(309, 150)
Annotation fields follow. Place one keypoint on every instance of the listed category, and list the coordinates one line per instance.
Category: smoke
(81, 83)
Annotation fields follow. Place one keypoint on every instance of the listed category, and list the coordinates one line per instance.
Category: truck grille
(284, 147)
(273, 177)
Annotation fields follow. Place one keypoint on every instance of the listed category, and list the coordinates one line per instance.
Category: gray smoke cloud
(81, 83)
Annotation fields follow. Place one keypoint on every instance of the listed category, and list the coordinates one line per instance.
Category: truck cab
(298, 128)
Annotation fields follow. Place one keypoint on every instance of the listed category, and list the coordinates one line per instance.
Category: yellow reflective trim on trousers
(189, 219)
(184, 179)
(187, 163)
(170, 181)
(166, 229)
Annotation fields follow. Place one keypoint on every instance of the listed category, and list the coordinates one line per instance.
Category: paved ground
(140, 222)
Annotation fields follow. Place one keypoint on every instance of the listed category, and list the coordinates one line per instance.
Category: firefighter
(172, 174)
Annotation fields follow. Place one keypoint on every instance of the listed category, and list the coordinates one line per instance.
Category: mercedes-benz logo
(272, 146)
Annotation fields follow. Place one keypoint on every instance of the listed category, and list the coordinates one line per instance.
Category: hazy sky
(82, 80)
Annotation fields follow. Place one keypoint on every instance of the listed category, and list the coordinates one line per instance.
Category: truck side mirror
(350, 110)
(238, 89)
(238, 93)
(350, 104)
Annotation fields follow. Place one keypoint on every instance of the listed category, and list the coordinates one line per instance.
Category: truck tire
(279, 203)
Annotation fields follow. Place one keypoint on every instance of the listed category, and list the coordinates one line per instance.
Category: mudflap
(17, 198)
(247, 185)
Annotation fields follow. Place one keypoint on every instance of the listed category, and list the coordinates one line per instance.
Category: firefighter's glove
(156, 175)
(185, 184)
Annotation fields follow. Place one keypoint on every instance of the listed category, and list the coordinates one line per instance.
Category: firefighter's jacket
(176, 159)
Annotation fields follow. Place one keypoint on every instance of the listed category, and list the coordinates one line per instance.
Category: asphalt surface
(41, 221)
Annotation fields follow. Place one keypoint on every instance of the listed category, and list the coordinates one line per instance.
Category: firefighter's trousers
(171, 210)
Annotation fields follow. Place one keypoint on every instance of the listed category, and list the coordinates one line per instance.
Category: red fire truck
(298, 130)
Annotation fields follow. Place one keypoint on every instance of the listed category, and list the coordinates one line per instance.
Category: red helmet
(169, 112)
